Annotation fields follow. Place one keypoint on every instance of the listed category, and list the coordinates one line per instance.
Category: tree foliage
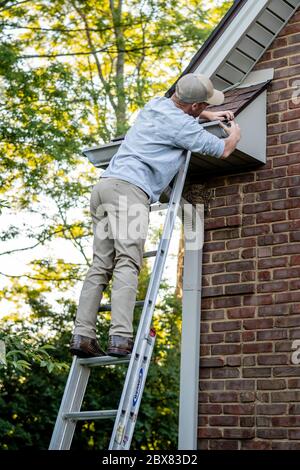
(72, 74)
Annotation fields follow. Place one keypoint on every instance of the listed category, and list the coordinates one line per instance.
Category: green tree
(60, 94)
(72, 72)
(32, 383)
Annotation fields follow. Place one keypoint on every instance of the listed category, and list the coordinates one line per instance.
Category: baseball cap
(197, 88)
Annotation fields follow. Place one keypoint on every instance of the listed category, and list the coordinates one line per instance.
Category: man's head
(194, 92)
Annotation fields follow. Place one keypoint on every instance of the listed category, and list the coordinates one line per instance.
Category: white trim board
(253, 123)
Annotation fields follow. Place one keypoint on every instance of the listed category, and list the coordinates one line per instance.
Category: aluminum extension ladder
(139, 361)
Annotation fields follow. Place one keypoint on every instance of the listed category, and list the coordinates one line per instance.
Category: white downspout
(191, 315)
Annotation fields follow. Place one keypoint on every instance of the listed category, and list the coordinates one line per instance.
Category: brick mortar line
(279, 113)
(265, 62)
(281, 145)
(277, 80)
(282, 101)
(287, 35)
(278, 92)
(284, 49)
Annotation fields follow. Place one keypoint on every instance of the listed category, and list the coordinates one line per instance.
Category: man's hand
(234, 135)
(217, 115)
(233, 129)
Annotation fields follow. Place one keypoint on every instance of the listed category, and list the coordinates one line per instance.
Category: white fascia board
(231, 36)
(253, 123)
(257, 77)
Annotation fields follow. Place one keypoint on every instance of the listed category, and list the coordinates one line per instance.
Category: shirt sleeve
(192, 136)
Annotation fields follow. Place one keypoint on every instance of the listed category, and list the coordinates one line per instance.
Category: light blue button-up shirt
(152, 151)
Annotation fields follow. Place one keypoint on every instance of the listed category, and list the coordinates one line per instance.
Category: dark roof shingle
(236, 100)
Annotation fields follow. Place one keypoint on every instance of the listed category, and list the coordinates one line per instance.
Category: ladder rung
(82, 415)
(107, 307)
(149, 254)
(158, 207)
(103, 361)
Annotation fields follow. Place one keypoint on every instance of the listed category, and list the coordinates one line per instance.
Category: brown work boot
(83, 346)
(119, 346)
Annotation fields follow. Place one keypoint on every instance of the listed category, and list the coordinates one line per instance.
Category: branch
(107, 49)
(116, 13)
(14, 276)
(66, 54)
(3, 3)
(76, 243)
(69, 30)
(141, 60)
(40, 242)
(96, 106)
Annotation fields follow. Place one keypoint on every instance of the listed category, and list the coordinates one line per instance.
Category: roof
(239, 41)
(249, 103)
(236, 100)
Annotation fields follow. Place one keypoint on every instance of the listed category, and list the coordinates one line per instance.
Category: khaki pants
(120, 215)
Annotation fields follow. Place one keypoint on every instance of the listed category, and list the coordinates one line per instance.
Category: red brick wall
(249, 388)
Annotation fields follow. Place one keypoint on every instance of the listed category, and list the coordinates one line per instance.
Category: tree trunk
(180, 258)
(116, 12)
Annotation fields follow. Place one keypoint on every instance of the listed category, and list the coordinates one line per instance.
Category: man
(149, 157)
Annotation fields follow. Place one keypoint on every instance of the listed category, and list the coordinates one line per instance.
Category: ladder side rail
(71, 402)
(135, 404)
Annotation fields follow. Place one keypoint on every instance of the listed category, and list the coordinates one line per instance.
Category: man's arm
(225, 115)
(192, 136)
(233, 132)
